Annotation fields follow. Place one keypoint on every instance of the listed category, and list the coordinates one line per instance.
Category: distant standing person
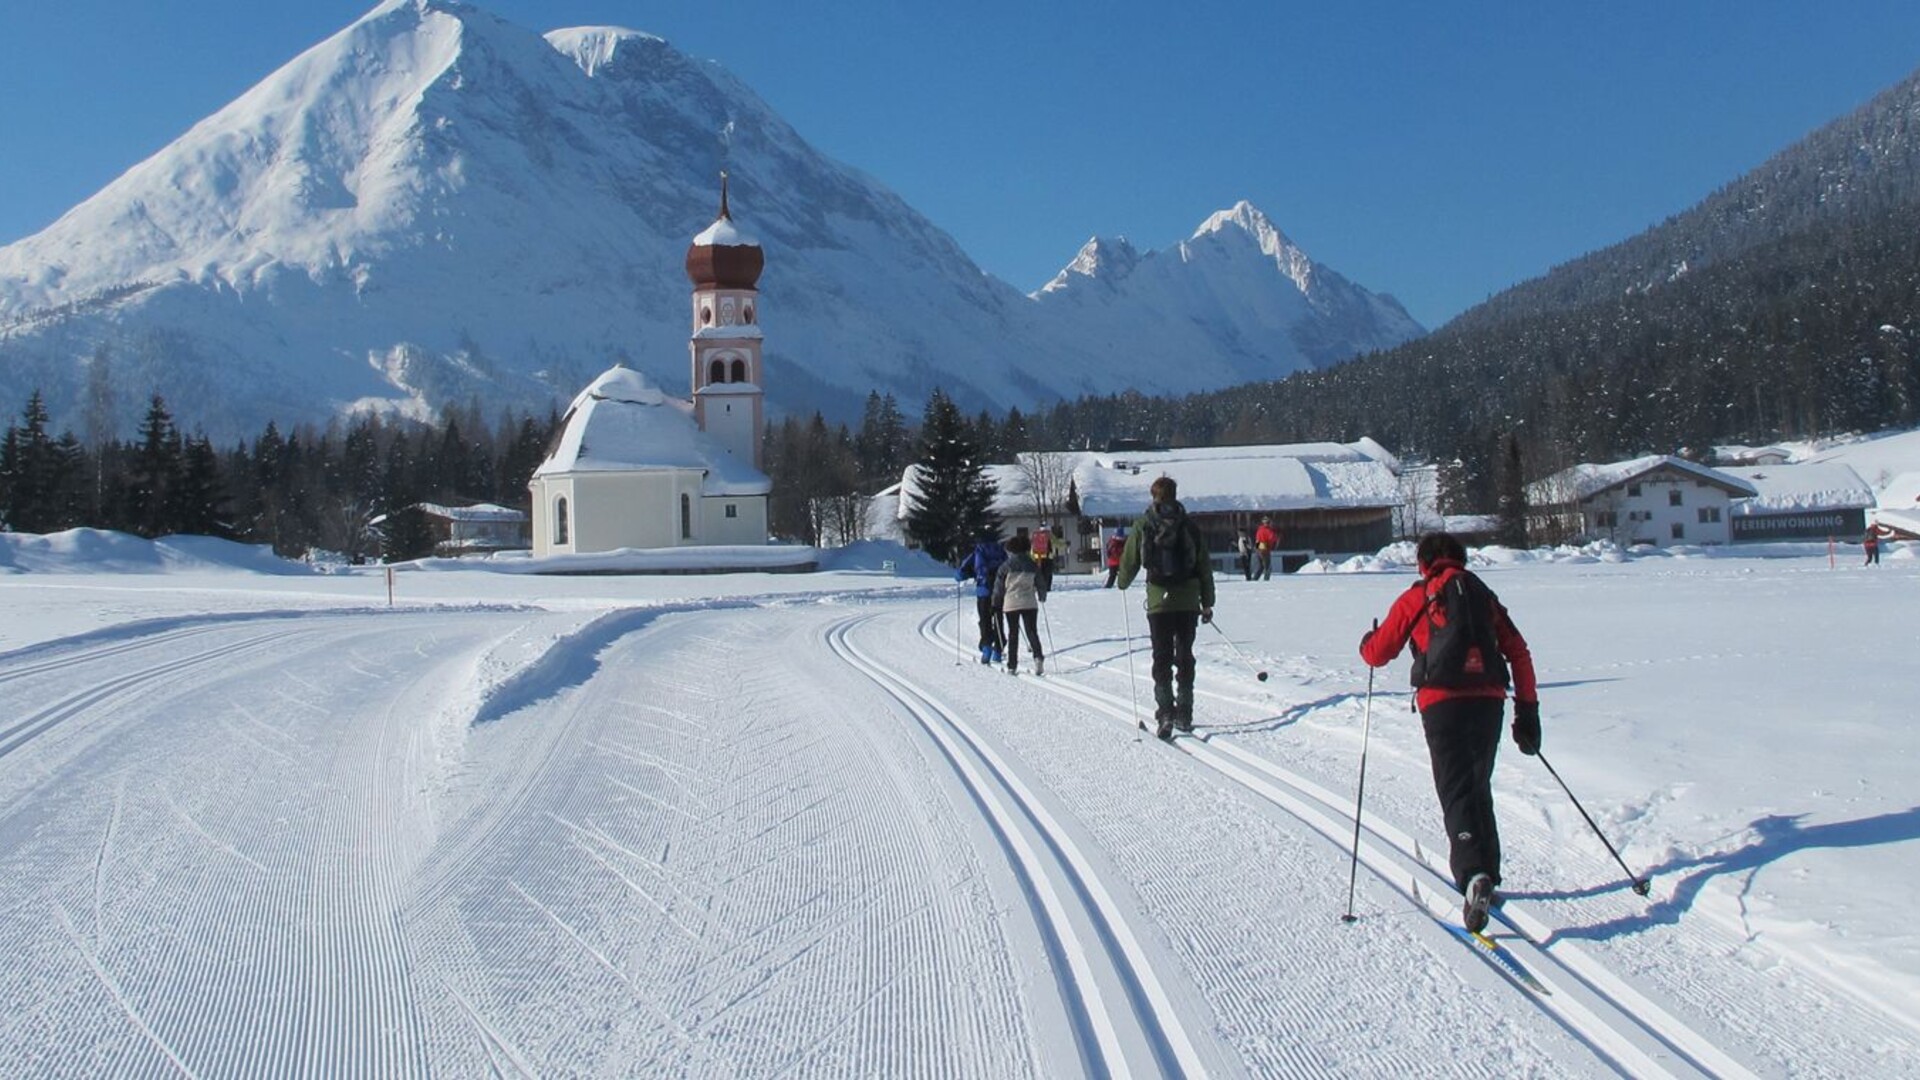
(1872, 543)
(1245, 547)
(1018, 591)
(1265, 539)
(1466, 651)
(1115, 545)
(1043, 554)
(981, 564)
(1168, 545)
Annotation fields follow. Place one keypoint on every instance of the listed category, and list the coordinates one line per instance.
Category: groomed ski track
(797, 837)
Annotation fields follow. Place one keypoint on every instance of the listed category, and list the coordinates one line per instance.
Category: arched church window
(718, 372)
(560, 520)
(686, 517)
(739, 371)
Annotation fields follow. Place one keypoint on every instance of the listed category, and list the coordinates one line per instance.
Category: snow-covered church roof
(623, 423)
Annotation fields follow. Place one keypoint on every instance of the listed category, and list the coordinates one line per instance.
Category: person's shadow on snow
(1772, 837)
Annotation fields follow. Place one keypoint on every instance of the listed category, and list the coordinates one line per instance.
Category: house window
(1679, 531)
(1709, 515)
(739, 371)
(560, 520)
(686, 517)
(1606, 519)
(1674, 496)
(733, 511)
(1633, 491)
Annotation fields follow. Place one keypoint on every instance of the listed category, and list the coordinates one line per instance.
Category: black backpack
(1462, 651)
(1167, 548)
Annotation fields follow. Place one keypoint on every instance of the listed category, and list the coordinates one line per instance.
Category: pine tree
(953, 500)
(154, 474)
(883, 444)
(202, 498)
(1512, 487)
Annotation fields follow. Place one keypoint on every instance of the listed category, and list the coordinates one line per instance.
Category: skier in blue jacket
(983, 565)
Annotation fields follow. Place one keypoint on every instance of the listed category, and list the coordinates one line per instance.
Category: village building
(476, 529)
(1660, 499)
(1746, 456)
(1814, 501)
(634, 468)
(1324, 498)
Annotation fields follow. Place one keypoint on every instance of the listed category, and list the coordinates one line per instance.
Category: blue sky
(1440, 152)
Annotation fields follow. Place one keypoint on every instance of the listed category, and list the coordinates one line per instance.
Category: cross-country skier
(1168, 545)
(1462, 697)
(1018, 590)
(980, 565)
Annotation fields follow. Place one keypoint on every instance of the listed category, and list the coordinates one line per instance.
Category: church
(635, 468)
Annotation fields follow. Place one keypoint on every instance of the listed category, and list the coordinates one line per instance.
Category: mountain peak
(1103, 260)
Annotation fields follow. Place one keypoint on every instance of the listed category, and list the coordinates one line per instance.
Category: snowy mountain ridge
(437, 206)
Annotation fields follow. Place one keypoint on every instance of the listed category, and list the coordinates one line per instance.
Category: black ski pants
(1030, 619)
(1173, 633)
(1463, 735)
(989, 623)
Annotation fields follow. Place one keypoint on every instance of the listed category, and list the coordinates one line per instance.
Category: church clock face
(728, 314)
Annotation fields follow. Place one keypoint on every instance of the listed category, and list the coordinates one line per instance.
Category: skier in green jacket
(1168, 546)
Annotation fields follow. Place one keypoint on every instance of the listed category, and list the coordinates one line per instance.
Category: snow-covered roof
(476, 512)
(1795, 488)
(1585, 480)
(724, 233)
(1902, 492)
(623, 423)
(1734, 452)
(1298, 476)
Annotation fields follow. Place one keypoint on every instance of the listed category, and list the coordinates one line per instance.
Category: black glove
(1526, 727)
(1206, 615)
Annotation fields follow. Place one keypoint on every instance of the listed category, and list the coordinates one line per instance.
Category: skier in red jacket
(1461, 708)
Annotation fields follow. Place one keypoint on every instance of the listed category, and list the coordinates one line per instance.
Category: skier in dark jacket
(1018, 591)
(1175, 608)
(981, 565)
(1462, 721)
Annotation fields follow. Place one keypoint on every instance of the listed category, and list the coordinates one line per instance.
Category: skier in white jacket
(1017, 592)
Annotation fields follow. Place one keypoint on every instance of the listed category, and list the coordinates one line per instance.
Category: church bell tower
(724, 265)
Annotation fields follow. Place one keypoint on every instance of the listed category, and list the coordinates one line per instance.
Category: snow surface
(259, 823)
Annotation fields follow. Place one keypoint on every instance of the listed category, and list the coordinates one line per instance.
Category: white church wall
(746, 525)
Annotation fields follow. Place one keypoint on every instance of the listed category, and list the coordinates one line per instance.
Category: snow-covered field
(256, 822)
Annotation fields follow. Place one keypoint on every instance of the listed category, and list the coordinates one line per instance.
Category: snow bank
(1399, 557)
(99, 551)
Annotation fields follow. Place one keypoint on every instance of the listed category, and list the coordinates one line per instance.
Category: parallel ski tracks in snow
(1127, 1023)
(1633, 1033)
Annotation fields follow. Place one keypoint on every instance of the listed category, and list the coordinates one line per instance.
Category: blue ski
(1500, 958)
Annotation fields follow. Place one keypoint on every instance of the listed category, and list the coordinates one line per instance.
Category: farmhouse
(1660, 499)
(1814, 501)
(1323, 497)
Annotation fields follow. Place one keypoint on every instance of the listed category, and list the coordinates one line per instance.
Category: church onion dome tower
(728, 377)
(724, 257)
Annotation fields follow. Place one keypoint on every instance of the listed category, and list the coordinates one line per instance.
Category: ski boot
(1039, 665)
(1473, 913)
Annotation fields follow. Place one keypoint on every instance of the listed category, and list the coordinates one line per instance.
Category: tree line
(336, 489)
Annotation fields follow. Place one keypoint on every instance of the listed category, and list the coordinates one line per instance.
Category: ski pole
(1259, 672)
(1641, 885)
(1047, 621)
(1360, 795)
(1133, 682)
(959, 621)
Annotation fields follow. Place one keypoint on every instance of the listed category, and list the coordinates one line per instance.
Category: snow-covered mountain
(435, 205)
(1235, 301)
